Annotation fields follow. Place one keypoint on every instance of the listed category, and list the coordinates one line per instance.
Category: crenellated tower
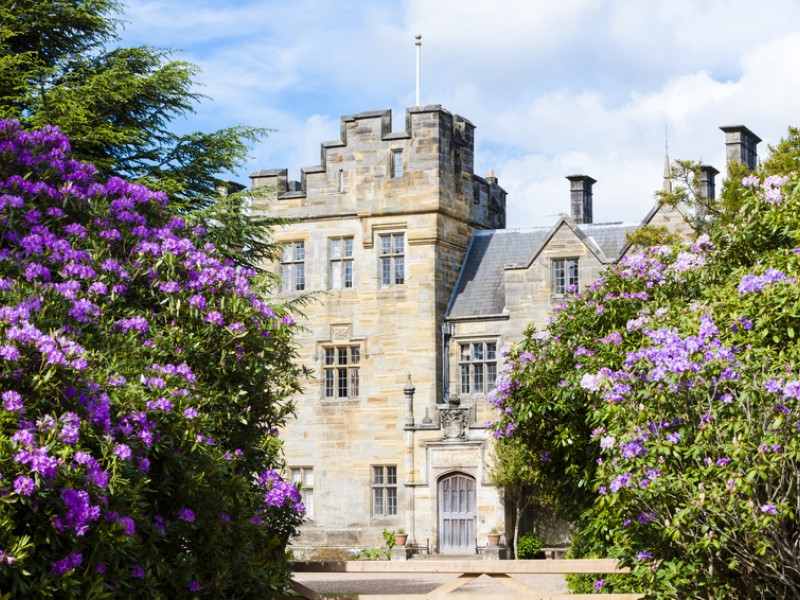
(380, 229)
(428, 167)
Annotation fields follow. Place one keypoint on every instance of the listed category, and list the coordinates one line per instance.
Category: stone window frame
(396, 167)
(565, 275)
(341, 371)
(304, 475)
(384, 490)
(341, 264)
(389, 259)
(477, 371)
(293, 268)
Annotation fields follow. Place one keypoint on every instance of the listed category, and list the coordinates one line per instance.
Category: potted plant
(494, 536)
(400, 536)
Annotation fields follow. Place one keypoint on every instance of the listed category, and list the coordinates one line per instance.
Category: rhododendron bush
(142, 380)
(664, 405)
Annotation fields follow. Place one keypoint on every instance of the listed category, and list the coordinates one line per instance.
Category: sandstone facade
(418, 288)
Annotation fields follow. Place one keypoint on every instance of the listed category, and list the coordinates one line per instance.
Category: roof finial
(667, 187)
(418, 44)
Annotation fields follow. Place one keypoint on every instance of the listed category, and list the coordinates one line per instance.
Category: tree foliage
(142, 379)
(664, 404)
(515, 475)
(59, 66)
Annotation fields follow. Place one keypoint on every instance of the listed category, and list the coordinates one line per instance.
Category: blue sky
(554, 88)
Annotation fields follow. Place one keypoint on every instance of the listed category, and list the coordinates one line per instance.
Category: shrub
(529, 546)
(663, 406)
(143, 379)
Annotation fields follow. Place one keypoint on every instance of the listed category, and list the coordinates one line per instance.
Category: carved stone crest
(340, 333)
(454, 424)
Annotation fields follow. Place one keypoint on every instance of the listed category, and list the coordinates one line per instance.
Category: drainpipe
(448, 329)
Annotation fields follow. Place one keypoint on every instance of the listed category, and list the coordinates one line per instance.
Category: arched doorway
(456, 495)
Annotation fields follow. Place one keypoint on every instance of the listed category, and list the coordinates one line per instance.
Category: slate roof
(480, 290)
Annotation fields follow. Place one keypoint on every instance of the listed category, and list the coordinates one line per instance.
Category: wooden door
(457, 514)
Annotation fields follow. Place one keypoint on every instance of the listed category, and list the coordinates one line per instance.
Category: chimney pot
(707, 183)
(580, 194)
(741, 145)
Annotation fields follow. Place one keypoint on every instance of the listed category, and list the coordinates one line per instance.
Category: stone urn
(401, 538)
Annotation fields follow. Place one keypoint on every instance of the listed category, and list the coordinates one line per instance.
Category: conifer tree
(60, 65)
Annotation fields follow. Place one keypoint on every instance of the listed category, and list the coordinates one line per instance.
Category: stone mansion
(420, 286)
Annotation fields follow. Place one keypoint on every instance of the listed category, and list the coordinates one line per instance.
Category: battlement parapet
(373, 128)
(429, 165)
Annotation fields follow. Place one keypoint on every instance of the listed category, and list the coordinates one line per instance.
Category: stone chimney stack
(707, 183)
(580, 195)
(741, 145)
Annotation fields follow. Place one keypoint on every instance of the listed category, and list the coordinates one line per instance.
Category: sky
(555, 88)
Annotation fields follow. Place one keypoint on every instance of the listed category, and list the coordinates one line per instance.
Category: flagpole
(418, 42)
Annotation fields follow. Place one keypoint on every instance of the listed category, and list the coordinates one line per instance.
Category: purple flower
(128, 525)
(24, 486)
(197, 301)
(35, 271)
(194, 586)
(757, 283)
(84, 310)
(75, 229)
(769, 509)
(66, 564)
(134, 323)
(619, 482)
(98, 288)
(160, 404)
(215, 318)
(80, 511)
(8, 352)
(632, 449)
(137, 571)
(186, 514)
(598, 584)
(12, 401)
(791, 389)
(190, 413)
(645, 518)
(643, 555)
(614, 338)
(123, 451)
(70, 428)
(653, 474)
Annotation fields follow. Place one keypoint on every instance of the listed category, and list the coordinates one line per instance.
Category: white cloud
(554, 88)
